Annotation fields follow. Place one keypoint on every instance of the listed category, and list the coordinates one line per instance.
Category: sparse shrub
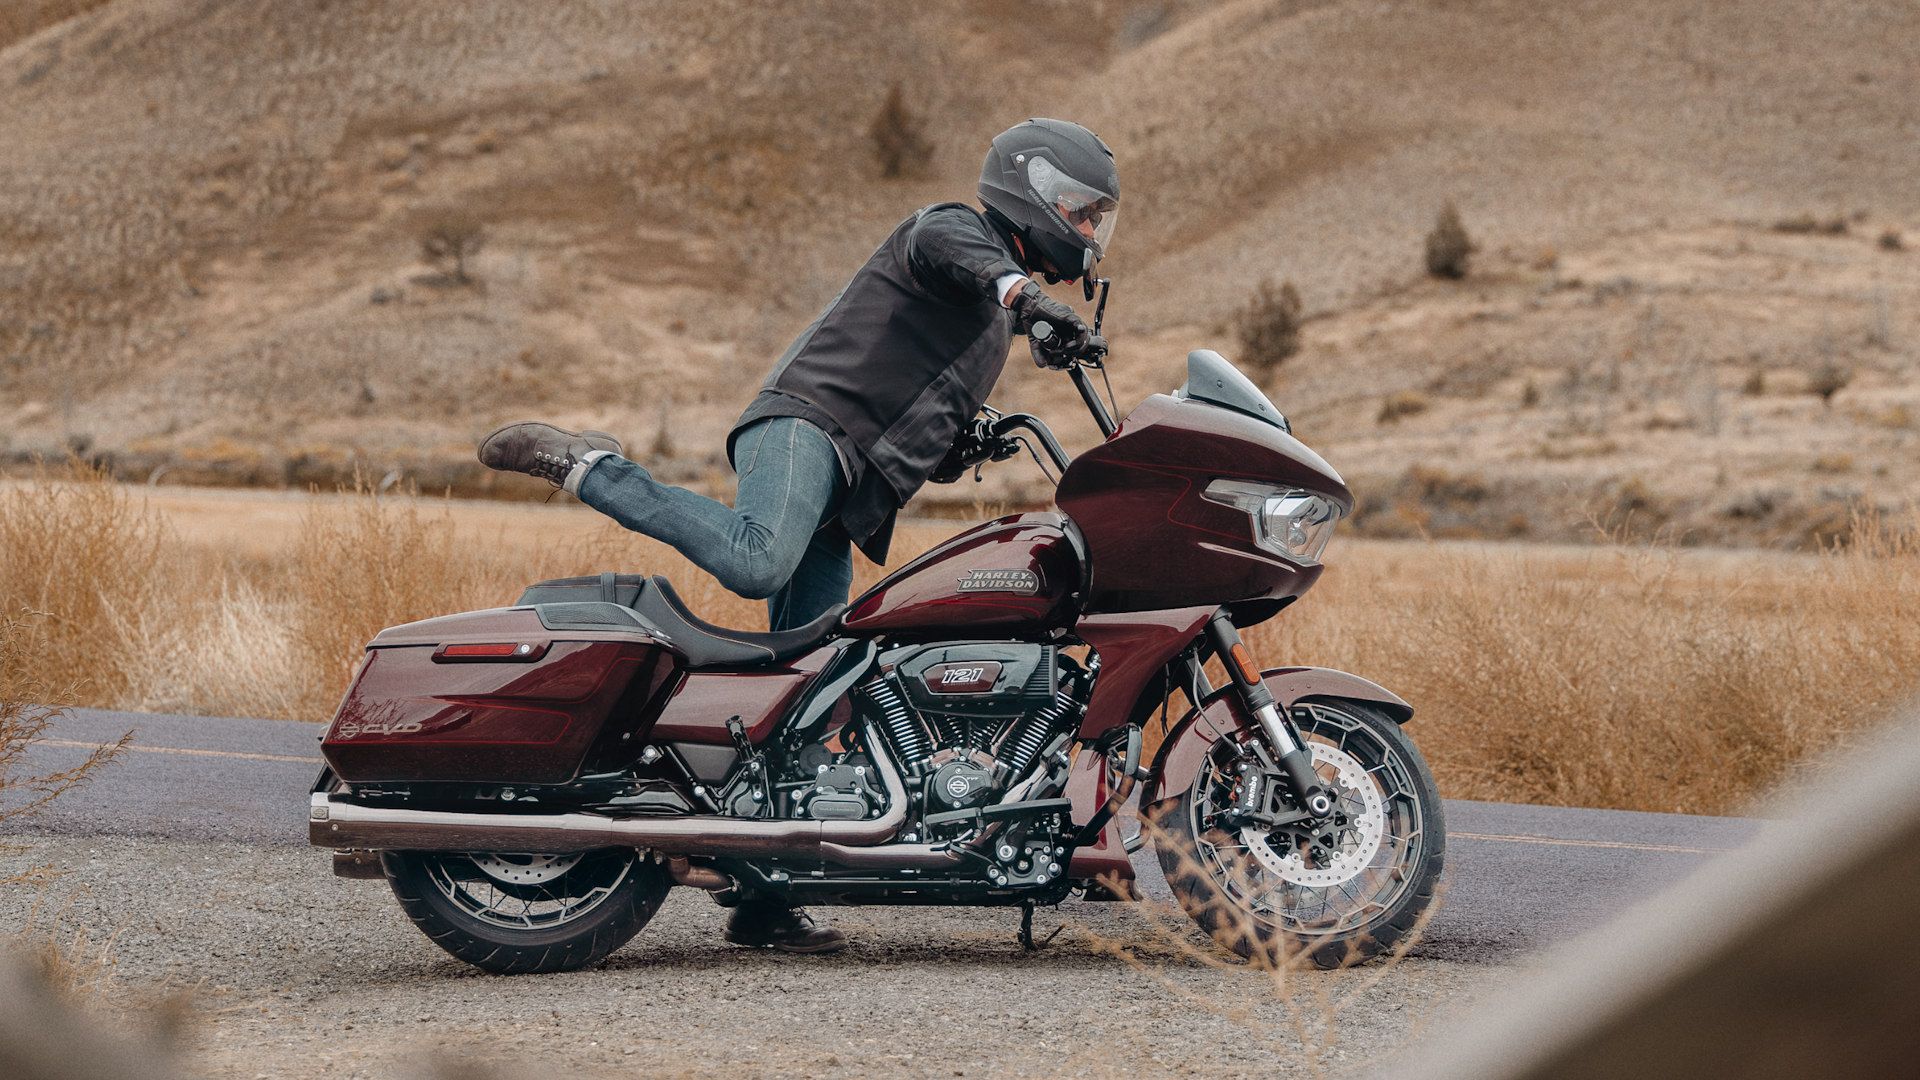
(1897, 417)
(1891, 240)
(1828, 380)
(1401, 404)
(1529, 395)
(1633, 496)
(1436, 485)
(449, 240)
(1268, 328)
(1808, 225)
(1756, 384)
(663, 448)
(1448, 246)
(1667, 417)
(898, 144)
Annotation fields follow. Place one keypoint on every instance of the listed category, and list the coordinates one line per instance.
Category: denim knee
(755, 577)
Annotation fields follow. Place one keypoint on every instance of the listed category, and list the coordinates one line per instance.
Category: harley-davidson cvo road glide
(531, 780)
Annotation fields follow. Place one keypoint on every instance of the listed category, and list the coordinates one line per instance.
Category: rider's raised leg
(790, 480)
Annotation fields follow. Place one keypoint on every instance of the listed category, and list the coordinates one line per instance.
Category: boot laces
(551, 467)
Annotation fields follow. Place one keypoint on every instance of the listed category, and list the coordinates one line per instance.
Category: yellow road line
(1551, 841)
(137, 748)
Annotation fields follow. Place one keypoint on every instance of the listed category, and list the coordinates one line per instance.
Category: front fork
(1283, 749)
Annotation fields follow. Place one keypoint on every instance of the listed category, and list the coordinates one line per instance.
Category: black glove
(975, 445)
(1058, 334)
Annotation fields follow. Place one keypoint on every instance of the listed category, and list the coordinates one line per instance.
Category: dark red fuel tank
(1012, 577)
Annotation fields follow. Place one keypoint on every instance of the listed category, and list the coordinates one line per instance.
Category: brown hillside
(211, 221)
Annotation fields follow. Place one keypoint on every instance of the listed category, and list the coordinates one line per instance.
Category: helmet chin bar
(1052, 255)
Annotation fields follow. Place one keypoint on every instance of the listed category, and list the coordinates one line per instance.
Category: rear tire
(1221, 884)
(567, 920)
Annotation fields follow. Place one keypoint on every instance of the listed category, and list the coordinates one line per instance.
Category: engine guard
(1188, 742)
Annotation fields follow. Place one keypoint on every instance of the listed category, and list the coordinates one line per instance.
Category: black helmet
(1054, 185)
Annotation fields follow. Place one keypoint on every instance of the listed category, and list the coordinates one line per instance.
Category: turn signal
(1249, 673)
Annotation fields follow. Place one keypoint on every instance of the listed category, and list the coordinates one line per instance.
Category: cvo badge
(1023, 582)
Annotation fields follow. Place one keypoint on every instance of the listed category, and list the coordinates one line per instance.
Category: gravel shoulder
(297, 973)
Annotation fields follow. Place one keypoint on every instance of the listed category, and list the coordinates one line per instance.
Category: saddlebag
(502, 696)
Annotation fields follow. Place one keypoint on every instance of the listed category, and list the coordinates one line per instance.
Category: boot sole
(797, 950)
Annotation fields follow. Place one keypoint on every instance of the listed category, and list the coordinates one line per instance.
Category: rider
(867, 404)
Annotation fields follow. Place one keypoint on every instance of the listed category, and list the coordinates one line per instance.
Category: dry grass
(1278, 970)
(25, 716)
(1633, 676)
(1627, 675)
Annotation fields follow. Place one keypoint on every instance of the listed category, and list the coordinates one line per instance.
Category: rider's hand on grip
(975, 444)
(1055, 332)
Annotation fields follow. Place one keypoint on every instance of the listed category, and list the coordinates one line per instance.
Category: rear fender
(1189, 741)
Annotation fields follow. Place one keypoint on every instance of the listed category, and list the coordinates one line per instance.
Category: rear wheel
(515, 914)
(1342, 890)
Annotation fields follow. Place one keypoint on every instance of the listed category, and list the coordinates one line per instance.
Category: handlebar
(996, 435)
(1003, 428)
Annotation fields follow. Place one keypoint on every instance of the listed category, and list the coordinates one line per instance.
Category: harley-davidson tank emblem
(1023, 582)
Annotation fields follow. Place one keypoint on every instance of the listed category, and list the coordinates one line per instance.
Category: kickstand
(1026, 929)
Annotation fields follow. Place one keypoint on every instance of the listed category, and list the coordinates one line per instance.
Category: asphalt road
(1517, 876)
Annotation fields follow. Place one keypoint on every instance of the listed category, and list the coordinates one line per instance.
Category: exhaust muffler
(339, 824)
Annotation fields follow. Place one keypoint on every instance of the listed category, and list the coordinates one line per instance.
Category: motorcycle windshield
(1210, 378)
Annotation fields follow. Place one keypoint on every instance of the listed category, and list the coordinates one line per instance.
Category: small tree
(1269, 326)
(897, 142)
(1827, 381)
(449, 241)
(1448, 245)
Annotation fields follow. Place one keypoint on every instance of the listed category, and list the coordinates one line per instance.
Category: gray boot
(542, 450)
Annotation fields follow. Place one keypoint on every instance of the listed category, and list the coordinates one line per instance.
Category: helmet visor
(1088, 211)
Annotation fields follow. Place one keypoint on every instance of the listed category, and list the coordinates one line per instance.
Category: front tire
(516, 914)
(1341, 893)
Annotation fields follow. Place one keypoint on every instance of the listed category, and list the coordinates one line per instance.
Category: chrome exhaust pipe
(335, 823)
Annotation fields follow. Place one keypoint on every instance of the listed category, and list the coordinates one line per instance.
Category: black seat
(707, 645)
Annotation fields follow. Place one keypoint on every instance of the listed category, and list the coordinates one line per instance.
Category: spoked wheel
(1343, 889)
(521, 913)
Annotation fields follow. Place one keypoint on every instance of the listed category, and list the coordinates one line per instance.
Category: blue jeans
(776, 542)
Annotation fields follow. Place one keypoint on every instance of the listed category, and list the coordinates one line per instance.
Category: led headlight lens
(1286, 521)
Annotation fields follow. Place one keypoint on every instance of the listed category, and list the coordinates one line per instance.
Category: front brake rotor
(1347, 849)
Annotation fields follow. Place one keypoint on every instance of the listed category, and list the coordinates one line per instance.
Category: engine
(968, 721)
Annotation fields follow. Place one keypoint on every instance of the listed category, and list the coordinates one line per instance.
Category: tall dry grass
(1632, 676)
(1626, 676)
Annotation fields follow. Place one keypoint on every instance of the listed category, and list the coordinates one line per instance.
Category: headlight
(1286, 521)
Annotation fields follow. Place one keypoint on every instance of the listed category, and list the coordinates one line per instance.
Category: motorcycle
(532, 780)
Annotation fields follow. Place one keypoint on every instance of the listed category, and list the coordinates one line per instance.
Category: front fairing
(1153, 541)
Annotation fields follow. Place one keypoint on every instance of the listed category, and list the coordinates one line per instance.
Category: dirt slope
(212, 213)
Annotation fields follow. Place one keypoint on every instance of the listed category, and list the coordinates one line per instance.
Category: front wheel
(1342, 890)
(515, 914)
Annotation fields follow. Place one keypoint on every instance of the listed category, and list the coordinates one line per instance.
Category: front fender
(1188, 742)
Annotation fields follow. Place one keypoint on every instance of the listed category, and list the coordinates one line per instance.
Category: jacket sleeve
(951, 251)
